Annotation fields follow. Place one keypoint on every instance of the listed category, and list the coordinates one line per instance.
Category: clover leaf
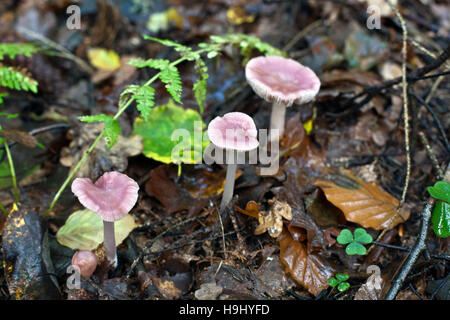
(354, 242)
(441, 212)
(339, 280)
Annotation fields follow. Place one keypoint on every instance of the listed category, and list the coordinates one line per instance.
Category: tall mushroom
(112, 196)
(234, 132)
(281, 81)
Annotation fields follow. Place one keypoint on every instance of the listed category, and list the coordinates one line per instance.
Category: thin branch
(415, 252)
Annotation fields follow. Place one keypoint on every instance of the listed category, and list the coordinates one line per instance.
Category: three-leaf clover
(441, 212)
(339, 280)
(354, 242)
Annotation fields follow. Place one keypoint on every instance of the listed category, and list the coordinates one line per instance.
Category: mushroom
(235, 131)
(281, 81)
(112, 196)
(86, 261)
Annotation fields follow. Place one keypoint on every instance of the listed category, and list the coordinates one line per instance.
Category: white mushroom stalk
(283, 82)
(235, 133)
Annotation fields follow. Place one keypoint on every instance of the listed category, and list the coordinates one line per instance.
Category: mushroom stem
(277, 120)
(109, 242)
(229, 186)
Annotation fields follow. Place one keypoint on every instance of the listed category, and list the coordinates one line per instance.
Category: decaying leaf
(309, 270)
(101, 159)
(104, 59)
(163, 185)
(28, 267)
(272, 219)
(361, 202)
(374, 289)
(83, 230)
(21, 137)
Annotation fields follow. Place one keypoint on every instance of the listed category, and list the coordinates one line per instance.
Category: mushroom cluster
(112, 196)
(281, 81)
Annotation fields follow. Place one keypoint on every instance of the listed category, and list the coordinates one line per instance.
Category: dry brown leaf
(272, 219)
(251, 209)
(308, 270)
(361, 202)
(375, 288)
(21, 137)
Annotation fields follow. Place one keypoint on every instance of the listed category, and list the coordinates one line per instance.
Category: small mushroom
(86, 261)
(112, 196)
(235, 131)
(281, 81)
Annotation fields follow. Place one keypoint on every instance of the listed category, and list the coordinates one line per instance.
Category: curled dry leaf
(309, 270)
(24, 138)
(375, 288)
(361, 202)
(272, 219)
(102, 159)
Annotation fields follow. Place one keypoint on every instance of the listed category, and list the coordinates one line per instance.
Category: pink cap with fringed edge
(233, 131)
(282, 80)
(112, 196)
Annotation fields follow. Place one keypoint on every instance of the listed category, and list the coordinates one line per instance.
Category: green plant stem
(91, 148)
(13, 172)
(3, 209)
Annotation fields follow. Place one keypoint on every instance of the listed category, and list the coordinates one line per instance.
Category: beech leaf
(361, 202)
(307, 269)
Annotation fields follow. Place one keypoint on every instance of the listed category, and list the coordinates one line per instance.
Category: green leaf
(144, 96)
(342, 277)
(441, 219)
(199, 87)
(362, 236)
(345, 237)
(171, 77)
(15, 79)
(111, 129)
(343, 286)
(159, 64)
(2, 95)
(333, 282)
(355, 248)
(165, 121)
(9, 115)
(440, 191)
(13, 49)
(83, 230)
(183, 50)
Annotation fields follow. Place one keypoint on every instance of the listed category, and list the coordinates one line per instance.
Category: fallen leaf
(361, 202)
(169, 193)
(237, 15)
(272, 219)
(374, 288)
(251, 209)
(364, 51)
(311, 271)
(28, 268)
(83, 230)
(201, 181)
(161, 125)
(103, 59)
(20, 137)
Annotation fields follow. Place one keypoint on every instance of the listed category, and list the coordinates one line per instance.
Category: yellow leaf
(237, 15)
(361, 202)
(308, 126)
(104, 59)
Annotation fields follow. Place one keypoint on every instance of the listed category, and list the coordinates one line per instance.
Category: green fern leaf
(13, 78)
(199, 87)
(159, 64)
(13, 49)
(111, 129)
(144, 96)
(183, 50)
(172, 80)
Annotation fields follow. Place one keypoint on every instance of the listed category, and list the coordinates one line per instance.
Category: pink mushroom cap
(86, 261)
(282, 80)
(233, 131)
(112, 196)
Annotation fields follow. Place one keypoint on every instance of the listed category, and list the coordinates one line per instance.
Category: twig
(12, 170)
(406, 249)
(431, 155)
(405, 119)
(435, 119)
(415, 252)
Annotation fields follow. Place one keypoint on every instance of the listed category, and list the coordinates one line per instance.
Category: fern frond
(171, 77)
(159, 64)
(13, 78)
(199, 87)
(13, 49)
(184, 51)
(144, 96)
